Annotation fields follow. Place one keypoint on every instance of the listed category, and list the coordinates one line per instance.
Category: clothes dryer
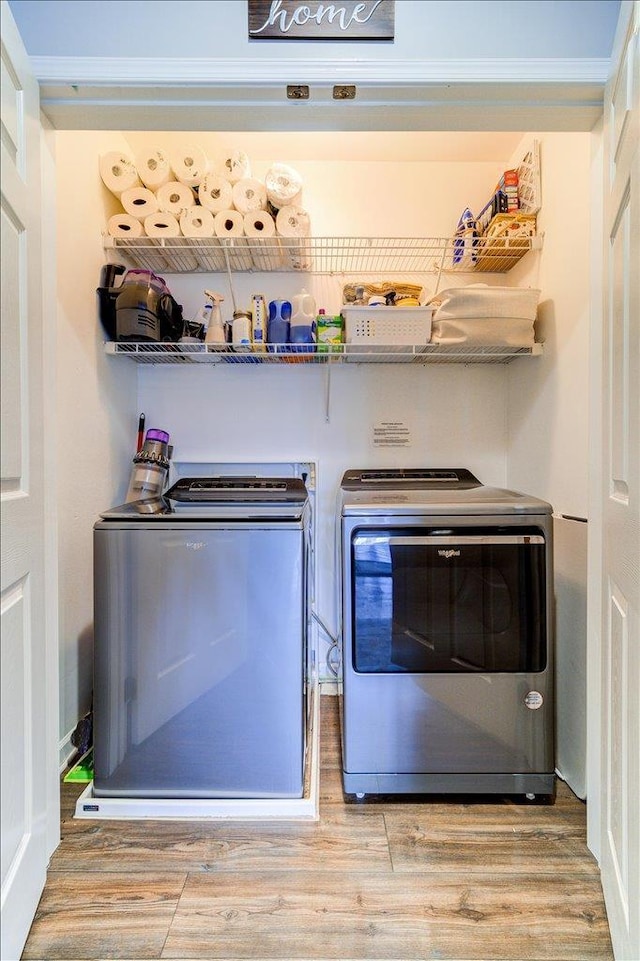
(447, 640)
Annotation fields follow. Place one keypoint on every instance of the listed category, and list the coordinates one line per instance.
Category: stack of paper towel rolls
(185, 194)
(284, 186)
(215, 193)
(174, 197)
(153, 168)
(139, 202)
(118, 173)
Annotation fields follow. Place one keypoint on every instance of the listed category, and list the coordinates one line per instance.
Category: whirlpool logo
(448, 554)
(195, 545)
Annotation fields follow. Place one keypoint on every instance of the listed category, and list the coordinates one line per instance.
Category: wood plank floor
(397, 878)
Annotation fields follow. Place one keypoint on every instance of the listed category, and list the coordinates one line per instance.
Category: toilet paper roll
(235, 166)
(196, 222)
(161, 225)
(154, 168)
(248, 195)
(139, 202)
(118, 172)
(229, 223)
(124, 225)
(174, 197)
(293, 221)
(215, 193)
(259, 223)
(190, 165)
(283, 185)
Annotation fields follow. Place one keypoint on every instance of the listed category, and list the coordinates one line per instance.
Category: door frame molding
(238, 93)
(251, 71)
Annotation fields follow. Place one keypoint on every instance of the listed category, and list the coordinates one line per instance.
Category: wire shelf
(322, 255)
(161, 353)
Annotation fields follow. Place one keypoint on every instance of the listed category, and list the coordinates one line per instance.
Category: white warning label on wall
(391, 433)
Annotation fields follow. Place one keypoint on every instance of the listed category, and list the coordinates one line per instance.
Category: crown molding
(151, 71)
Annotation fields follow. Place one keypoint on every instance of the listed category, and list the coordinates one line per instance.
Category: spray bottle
(215, 328)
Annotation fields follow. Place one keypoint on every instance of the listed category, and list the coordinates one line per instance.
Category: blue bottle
(278, 324)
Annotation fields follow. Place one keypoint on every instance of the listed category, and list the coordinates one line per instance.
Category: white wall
(431, 29)
(547, 412)
(95, 409)
(548, 415)
(508, 424)
(455, 414)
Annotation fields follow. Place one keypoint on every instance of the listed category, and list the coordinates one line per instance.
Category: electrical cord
(333, 649)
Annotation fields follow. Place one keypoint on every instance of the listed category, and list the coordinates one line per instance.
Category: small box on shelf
(505, 241)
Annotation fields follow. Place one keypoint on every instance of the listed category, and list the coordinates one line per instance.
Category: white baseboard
(66, 751)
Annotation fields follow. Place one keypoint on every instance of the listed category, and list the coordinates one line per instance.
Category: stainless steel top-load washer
(201, 625)
(446, 677)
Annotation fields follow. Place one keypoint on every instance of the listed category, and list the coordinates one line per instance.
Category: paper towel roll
(235, 166)
(283, 185)
(215, 193)
(293, 221)
(196, 222)
(248, 195)
(139, 202)
(259, 223)
(174, 197)
(190, 165)
(124, 225)
(161, 225)
(118, 172)
(154, 168)
(229, 223)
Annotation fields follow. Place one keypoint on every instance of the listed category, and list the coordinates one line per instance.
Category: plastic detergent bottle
(241, 330)
(279, 323)
(215, 328)
(303, 319)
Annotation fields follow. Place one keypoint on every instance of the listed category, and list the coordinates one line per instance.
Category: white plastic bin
(397, 326)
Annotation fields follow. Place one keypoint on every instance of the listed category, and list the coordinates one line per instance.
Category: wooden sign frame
(350, 20)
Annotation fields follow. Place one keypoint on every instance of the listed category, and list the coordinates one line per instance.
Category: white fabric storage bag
(485, 316)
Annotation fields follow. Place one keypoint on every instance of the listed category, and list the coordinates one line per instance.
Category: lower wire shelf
(149, 352)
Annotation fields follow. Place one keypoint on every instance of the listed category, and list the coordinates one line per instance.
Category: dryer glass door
(454, 601)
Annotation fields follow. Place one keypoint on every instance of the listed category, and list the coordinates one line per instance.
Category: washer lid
(426, 491)
(412, 478)
(220, 498)
(237, 490)
(478, 501)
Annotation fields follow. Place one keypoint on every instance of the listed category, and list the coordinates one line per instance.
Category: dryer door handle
(442, 540)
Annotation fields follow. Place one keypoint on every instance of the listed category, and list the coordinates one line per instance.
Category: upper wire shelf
(323, 255)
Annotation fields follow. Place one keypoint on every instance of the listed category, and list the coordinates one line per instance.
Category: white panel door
(620, 612)
(28, 689)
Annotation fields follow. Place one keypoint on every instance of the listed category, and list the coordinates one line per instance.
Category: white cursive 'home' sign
(286, 20)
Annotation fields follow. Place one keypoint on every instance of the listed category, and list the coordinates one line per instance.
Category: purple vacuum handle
(158, 435)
